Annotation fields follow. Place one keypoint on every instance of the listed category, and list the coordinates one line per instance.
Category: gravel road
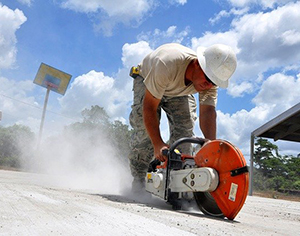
(32, 205)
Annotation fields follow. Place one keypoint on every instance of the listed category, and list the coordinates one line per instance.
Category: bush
(15, 142)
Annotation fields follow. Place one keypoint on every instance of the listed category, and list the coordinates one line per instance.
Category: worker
(166, 79)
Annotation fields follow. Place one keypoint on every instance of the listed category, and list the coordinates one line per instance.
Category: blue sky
(98, 41)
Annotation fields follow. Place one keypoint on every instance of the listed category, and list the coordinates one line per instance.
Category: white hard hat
(218, 62)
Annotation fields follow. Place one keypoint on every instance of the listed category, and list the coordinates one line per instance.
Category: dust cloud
(88, 162)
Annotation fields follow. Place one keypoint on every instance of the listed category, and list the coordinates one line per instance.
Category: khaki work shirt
(164, 70)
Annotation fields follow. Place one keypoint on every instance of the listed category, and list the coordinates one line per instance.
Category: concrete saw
(216, 177)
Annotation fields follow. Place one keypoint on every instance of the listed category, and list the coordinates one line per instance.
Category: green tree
(96, 126)
(265, 153)
(96, 115)
(121, 137)
(273, 171)
(94, 118)
(16, 142)
(293, 175)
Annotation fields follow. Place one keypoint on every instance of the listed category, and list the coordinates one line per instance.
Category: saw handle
(173, 154)
(195, 140)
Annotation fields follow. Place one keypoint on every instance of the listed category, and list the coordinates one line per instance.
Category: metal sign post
(43, 116)
(51, 79)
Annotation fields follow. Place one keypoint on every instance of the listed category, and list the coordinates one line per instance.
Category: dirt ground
(32, 205)
(277, 195)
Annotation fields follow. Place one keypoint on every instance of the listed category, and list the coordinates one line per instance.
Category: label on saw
(149, 176)
(233, 191)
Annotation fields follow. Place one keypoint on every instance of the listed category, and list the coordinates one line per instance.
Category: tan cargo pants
(181, 114)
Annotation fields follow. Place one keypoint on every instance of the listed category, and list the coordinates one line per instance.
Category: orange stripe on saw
(232, 191)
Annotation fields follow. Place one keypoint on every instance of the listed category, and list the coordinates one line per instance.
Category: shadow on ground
(155, 202)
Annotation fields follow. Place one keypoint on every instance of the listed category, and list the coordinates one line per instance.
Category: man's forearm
(152, 127)
(208, 124)
(151, 121)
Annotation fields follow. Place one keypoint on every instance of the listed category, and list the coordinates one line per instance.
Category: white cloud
(110, 13)
(237, 127)
(93, 88)
(26, 2)
(134, 53)
(277, 94)
(16, 105)
(158, 37)
(290, 37)
(10, 22)
(264, 36)
(209, 38)
(180, 2)
(224, 13)
(279, 89)
(262, 3)
(237, 90)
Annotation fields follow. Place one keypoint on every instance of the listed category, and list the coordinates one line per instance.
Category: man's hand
(158, 152)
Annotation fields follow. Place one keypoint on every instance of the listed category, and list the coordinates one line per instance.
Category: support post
(251, 165)
(43, 117)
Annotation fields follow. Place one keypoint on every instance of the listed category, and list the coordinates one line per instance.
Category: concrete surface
(32, 205)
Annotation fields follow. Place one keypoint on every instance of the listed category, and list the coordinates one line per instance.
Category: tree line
(18, 142)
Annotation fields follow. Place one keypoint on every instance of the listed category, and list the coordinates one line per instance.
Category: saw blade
(207, 204)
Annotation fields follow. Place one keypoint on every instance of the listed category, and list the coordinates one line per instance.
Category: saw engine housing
(203, 179)
(216, 177)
